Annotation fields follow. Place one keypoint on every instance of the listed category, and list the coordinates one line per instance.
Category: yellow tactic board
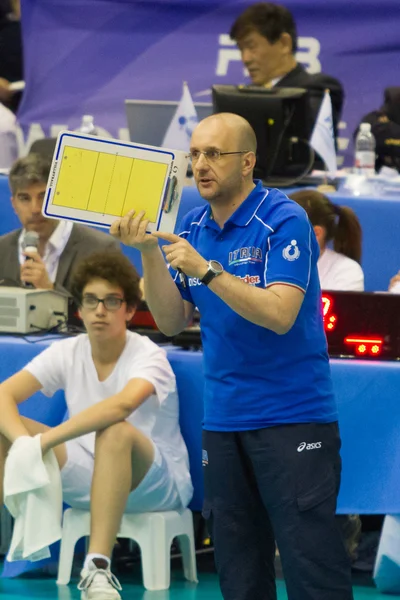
(95, 181)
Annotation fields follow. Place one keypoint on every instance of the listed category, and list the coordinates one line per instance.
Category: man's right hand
(34, 271)
(131, 231)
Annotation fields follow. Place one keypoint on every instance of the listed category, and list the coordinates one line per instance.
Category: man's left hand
(181, 255)
(34, 271)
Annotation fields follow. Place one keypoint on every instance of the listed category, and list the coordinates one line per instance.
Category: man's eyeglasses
(211, 155)
(111, 303)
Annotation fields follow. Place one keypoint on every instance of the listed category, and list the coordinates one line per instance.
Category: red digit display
(330, 319)
(363, 344)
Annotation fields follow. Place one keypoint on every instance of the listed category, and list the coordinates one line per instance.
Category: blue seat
(378, 218)
(190, 384)
(8, 219)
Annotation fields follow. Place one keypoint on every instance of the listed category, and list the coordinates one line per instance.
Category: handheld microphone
(30, 243)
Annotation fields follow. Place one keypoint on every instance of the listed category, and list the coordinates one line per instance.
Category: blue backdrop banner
(88, 56)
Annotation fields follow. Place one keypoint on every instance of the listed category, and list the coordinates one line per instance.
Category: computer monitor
(281, 120)
(148, 120)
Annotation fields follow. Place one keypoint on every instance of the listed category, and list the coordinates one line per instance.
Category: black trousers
(276, 484)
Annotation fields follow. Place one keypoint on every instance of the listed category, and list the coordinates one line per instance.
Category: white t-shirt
(68, 365)
(339, 272)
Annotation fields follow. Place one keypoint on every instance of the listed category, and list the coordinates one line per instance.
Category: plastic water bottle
(88, 126)
(365, 150)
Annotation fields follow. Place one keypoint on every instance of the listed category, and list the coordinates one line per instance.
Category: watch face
(216, 266)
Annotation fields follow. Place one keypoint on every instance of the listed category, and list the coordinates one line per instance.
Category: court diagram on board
(97, 180)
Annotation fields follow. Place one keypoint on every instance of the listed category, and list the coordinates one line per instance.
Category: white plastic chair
(153, 532)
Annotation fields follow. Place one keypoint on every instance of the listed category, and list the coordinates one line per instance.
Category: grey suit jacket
(82, 242)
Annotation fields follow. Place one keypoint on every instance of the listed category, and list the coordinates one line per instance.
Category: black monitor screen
(280, 118)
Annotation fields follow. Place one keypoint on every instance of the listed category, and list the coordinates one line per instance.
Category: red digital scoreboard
(357, 324)
(362, 325)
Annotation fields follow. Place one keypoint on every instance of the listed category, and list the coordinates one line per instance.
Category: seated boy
(121, 449)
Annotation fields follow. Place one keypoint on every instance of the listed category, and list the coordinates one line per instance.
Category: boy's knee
(118, 435)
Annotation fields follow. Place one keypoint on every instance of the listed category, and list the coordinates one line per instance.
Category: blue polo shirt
(254, 377)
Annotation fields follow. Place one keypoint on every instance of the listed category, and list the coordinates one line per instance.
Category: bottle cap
(365, 127)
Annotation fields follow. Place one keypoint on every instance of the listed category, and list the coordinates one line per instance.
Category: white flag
(183, 122)
(323, 138)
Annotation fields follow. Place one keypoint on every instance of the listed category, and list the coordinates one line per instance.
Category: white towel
(33, 495)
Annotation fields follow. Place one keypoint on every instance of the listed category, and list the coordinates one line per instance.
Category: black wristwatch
(214, 269)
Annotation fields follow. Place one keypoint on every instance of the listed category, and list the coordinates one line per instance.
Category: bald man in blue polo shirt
(271, 459)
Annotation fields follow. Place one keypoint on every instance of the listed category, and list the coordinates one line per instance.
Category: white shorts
(156, 492)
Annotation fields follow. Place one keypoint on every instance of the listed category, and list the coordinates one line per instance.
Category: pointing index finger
(169, 237)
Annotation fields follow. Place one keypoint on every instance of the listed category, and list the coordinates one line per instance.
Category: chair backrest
(190, 384)
(8, 219)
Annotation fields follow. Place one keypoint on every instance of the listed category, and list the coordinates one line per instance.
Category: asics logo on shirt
(305, 446)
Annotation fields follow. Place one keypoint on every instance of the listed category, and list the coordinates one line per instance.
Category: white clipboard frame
(173, 162)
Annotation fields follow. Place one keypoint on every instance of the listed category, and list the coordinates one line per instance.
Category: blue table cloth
(369, 414)
(379, 217)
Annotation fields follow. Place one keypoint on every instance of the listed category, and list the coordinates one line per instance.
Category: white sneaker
(99, 584)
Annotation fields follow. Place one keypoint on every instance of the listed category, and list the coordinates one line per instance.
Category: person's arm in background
(170, 310)
(112, 410)
(394, 285)
(21, 386)
(5, 93)
(13, 391)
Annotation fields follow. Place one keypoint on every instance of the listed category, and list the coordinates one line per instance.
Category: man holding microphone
(271, 443)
